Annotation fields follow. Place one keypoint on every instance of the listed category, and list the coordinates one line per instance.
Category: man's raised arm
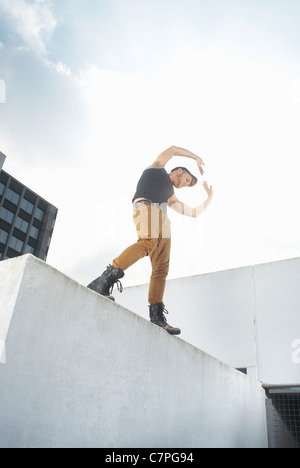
(186, 210)
(168, 154)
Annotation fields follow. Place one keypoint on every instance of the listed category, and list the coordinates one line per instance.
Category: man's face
(182, 179)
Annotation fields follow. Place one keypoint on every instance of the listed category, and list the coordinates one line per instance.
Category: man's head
(181, 177)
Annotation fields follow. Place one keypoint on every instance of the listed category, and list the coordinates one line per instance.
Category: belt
(161, 206)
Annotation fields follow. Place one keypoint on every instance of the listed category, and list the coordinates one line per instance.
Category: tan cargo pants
(154, 239)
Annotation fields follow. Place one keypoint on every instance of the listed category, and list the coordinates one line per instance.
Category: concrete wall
(277, 295)
(82, 371)
(246, 317)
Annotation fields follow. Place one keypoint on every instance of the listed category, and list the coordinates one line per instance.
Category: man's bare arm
(168, 154)
(186, 210)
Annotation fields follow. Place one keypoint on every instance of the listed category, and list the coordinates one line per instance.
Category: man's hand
(200, 163)
(208, 190)
(186, 210)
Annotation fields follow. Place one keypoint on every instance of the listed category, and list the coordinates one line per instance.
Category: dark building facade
(26, 220)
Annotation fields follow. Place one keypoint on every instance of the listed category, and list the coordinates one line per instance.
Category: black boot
(105, 283)
(157, 317)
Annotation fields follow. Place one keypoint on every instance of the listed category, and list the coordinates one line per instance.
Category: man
(155, 191)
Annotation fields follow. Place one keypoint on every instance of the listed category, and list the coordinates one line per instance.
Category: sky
(92, 91)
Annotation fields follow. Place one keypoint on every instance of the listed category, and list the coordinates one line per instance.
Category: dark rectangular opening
(283, 411)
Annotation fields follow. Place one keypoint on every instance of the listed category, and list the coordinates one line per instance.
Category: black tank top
(155, 185)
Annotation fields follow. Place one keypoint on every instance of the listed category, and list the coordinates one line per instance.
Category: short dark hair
(184, 169)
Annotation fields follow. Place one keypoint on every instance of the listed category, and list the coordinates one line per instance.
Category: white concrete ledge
(246, 317)
(82, 371)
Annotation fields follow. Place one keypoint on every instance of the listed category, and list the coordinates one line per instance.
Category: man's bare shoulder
(155, 166)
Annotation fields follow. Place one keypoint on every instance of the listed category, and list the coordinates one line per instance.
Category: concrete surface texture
(246, 317)
(82, 371)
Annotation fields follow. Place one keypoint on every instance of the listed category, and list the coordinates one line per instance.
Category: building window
(12, 196)
(2, 188)
(16, 244)
(3, 236)
(6, 215)
(39, 214)
(27, 206)
(34, 232)
(22, 225)
(29, 249)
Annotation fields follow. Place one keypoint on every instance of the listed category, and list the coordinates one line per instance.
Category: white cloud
(34, 22)
(60, 68)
